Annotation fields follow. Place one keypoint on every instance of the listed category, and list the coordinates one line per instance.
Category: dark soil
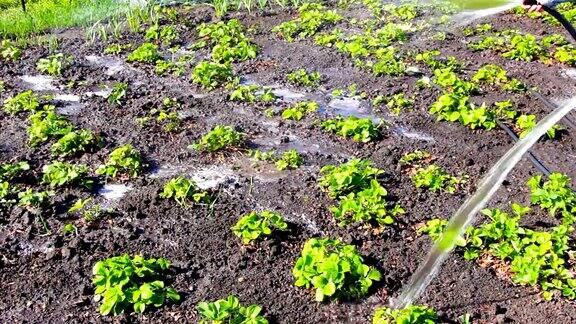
(47, 278)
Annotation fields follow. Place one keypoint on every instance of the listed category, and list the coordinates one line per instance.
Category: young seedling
(117, 94)
(352, 176)
(220, 137)
(75, 142)
(304, 78)
(554, 195)
(435, 179)
(414, 158)
(313, 17)
(122, 281)
(124, 161)
(334, 269)
(211, 75)
(117, 48)
(24, 101)
(255, 225)
(290, 159)
(54, 64)
(69, 228)
(398, 103)
(229, 310)
(45, 125)
(10, 171)
(359, 129)
(183, 190)
(300, 110)
(527, 122)
(59, 174)
(410, 315)
(146, 53)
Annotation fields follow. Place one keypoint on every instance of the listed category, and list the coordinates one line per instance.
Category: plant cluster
(167, 35)
(24, 101)
(435, 179)
(183, 190)
(290, 159)
(53, 64)
(46, 124)
(211, 75)
(304, 78)
(9, 171)
(254, 225)
(312, 17)
(145, 53)
(164, 67)
(399, 102)
(533, 257)
(414, 158)
(252, 93)
(117, 94)
(9, 51)
(59, 174)
(124, 161)
(75, 142)
(220, 137)
(124, 281)
(492, 74)
(361, 197)
(229, 310)
(359, 129)
(116, 48)
(300, 110)
(412, 314)
(525, 124)
(334, 269)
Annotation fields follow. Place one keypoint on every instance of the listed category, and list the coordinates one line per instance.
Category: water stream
(464, 216)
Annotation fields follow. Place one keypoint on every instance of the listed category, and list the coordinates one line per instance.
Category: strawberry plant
(367, 205)
(527, 122)
(252, 93)
(229, 310)
(554, 195)
(10, 171)
(220, 137)
(435, 179)
(123, 161)
(59, 174)
(398, 103)
(413, 158)
(145, 53)
(566, 54)
(24, 101)
(290, 159)
(117, 94)
(164, 67)
(45, 125)
(75, 142)
(122, 281)
(32, 199)
(410, 315)
(211, 75)
(53, 64)
(334, 269)
(352, 176)
(492, 74)
(359, 129)
(524, 48)
(458, 108)
(304, 78)
(388, 63)
(166, 34)
(312, 17)
(116, 48)
(239, 52)
(9, 51)
(299, 110)
(254, 225)
(182, 190)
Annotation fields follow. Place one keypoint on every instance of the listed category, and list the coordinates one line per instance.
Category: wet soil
(47, 278)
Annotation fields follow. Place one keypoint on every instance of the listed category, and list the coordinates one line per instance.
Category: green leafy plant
(398, 103)
(229, 310)
(458, 108)
(182, 190)
(9, 51)
(415, 157)
(145, 53)
(524, 48)
(118, 93)
(59, 174)
(527, 122)
(211, 75)
(124, 161)
(45, 125)
(69, 229)
(164, 67)
(554, 195)
(435, 179)
(412, 314)
(252, 93)
(116, 48)
(312, 17)
(166, 34)
(9, 171)
(254, 225)
(359, 129)
(218, 138)
(54, 64)
(290, 159)
(299, 110)
(75, 142)
(24, 101)
(334, 269)
(122, 281)
(349, 177)
(33, 199)
(304, 78)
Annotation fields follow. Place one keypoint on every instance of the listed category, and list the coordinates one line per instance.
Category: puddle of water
(73, 106)
(113, 65)
(413, 134)
(287, 94)
(168, 171)
(104, 93)
(39, 82)
(67, 97)
(350, 106)
(214, 176)
(114, 191)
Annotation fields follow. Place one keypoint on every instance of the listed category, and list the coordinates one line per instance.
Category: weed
(59, 174)
(122, 281)
(300, 110)
(229, 310)
(220, 137)
(359, 129)
(290, 159)
(435, 179)
(304, 78)
(145, 53)
(333, 269)
(181, 190)
(124, 160)
(254, 225)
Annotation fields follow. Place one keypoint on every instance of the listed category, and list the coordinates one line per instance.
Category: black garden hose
(561, 19)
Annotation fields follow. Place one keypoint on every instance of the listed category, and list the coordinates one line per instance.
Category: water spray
(489, 184)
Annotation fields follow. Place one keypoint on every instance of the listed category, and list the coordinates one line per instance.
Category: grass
(42, 15)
